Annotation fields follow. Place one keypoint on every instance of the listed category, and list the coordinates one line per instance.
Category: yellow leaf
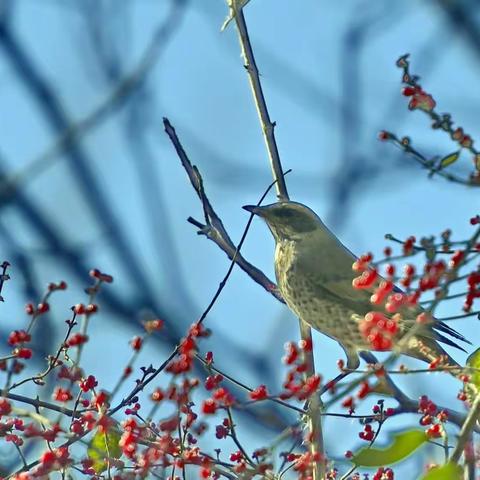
(449, 159)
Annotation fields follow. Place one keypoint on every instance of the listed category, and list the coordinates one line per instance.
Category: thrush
(314, 274)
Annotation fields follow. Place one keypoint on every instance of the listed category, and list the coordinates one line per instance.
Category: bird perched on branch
(314, 274)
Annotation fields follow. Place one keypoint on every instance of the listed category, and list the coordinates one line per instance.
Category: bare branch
(267, 125)
(213, 227)
(314, 424)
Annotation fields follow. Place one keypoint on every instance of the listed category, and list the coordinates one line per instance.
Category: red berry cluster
(52, 287)
(433, 273)
(366, 280)
(41, 308)
(88, 383)
(260, 393)
(473, 281)
(295, 384)
(213, 381)
(221, 398)
(431, 417)
(53, 460)
(420, 99)
(383, 474)
(408, 246)
(379, 330)
(62, 395)
(81, 309)
(367, 434)
(100, 276)
(76, 339)
(18, 336)
(462, 138)
(362, 263)
(136, 343)
(409, 274)
(304, 463)
(188, 346)
(465, 394)
(381, 292)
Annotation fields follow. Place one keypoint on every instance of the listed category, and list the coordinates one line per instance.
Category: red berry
(209, 406)
(91, 308)
(25, 353)
(260, 393)
(434, 431)
(409, 91)
(136, 343)
(383, 135)
(29, 309)
(43, 307)
(79, 309)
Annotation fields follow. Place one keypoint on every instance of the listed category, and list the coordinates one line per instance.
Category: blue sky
(331, 84)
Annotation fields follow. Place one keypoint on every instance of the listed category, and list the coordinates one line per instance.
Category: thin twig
(155, 372)
(268, 127)
(246, 387)
(37, 403)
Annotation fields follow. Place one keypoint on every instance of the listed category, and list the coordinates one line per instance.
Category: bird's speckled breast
(325, 314)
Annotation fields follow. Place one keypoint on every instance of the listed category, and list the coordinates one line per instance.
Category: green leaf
(403, 445)
(473, 361)
(449, 471)
(449, 159)
(104, 445)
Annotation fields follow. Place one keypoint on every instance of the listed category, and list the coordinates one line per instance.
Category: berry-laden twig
(419, 99)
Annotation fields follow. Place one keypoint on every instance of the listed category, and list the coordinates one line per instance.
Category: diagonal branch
(213, 227)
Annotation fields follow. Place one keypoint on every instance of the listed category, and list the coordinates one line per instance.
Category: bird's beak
(253, 209)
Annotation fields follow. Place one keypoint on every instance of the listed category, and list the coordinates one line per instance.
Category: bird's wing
(331, 275)
(328, 269)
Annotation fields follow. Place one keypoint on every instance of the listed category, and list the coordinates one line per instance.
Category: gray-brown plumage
(314, 274)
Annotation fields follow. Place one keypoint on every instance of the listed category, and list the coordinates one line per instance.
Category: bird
(314, 275)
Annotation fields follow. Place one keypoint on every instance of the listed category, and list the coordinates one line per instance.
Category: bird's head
(287, 220)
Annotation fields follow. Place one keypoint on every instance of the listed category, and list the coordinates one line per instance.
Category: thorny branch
(268, 127)
(314, 421)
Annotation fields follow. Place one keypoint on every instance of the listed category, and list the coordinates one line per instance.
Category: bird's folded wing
(331, 276)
